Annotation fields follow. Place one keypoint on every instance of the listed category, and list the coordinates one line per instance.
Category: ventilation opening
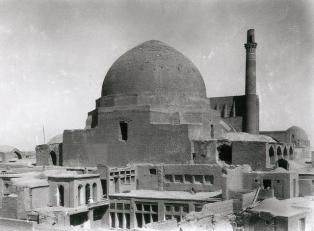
(225, 153)
(123, 130)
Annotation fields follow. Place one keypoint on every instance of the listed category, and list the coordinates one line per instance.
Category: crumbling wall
(249, 152)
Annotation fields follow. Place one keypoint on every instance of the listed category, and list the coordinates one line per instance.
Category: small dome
(154, 68)
(297, 133)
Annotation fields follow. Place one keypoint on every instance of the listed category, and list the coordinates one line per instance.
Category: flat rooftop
(170, 195)
(285, 208)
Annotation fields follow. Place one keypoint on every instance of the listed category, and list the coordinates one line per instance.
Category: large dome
(154, 68)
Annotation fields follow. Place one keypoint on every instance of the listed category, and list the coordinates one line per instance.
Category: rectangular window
(178, 178)
(127, 206)
(123, 130)
(198, 179)
(147, 208)
(153, 171)
(119, 206)
(209, 179)
(139, 207)
(266, 183)
(188, 179)
(168, 178)
(198, 207)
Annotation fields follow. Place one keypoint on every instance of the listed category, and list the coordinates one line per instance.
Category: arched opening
(94, 192)
(18, 155)
(271, 154)
(291, 153)
(53, 157)
(80, 195)
(225, 153)
(61, 195)
(87, 193)
(283, 164)
(285, 153)
(279, 153)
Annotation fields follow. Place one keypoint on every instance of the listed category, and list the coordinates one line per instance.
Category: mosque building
(156, 148)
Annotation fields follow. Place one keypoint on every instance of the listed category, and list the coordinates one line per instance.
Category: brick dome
(154, 68)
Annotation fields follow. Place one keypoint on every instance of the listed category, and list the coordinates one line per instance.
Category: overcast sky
(54, 56)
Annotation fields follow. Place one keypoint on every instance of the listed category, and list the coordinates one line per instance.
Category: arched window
(53, 157)
(60, 195)
(94, 192)
(271, 154)
(87, 193)
(285, 153)
(283, 164)
(279, 153)
(80, 195)
(291, 153)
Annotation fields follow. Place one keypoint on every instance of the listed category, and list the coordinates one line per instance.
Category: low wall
(8, 224)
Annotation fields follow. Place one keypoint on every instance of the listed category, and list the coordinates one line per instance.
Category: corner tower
(251, 99)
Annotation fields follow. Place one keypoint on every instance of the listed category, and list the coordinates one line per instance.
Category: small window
(178, 178)
(198, 207)
(256, 180)
(119, 206)
(312, 182)
(146, 207)
(188, 178)
(168, 208)
(139, 207)
(278, 181)
(127, 206)
(124, 130)
(154, 208)
(168, 178)
(153, 171)
(267, 183)
(198, 179)
(112, 205)
(185, 208)
(209, 179)
(177, 208)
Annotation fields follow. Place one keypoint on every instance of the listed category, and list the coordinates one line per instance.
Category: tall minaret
(251, 120)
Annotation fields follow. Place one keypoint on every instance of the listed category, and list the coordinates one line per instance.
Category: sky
(55, 54)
